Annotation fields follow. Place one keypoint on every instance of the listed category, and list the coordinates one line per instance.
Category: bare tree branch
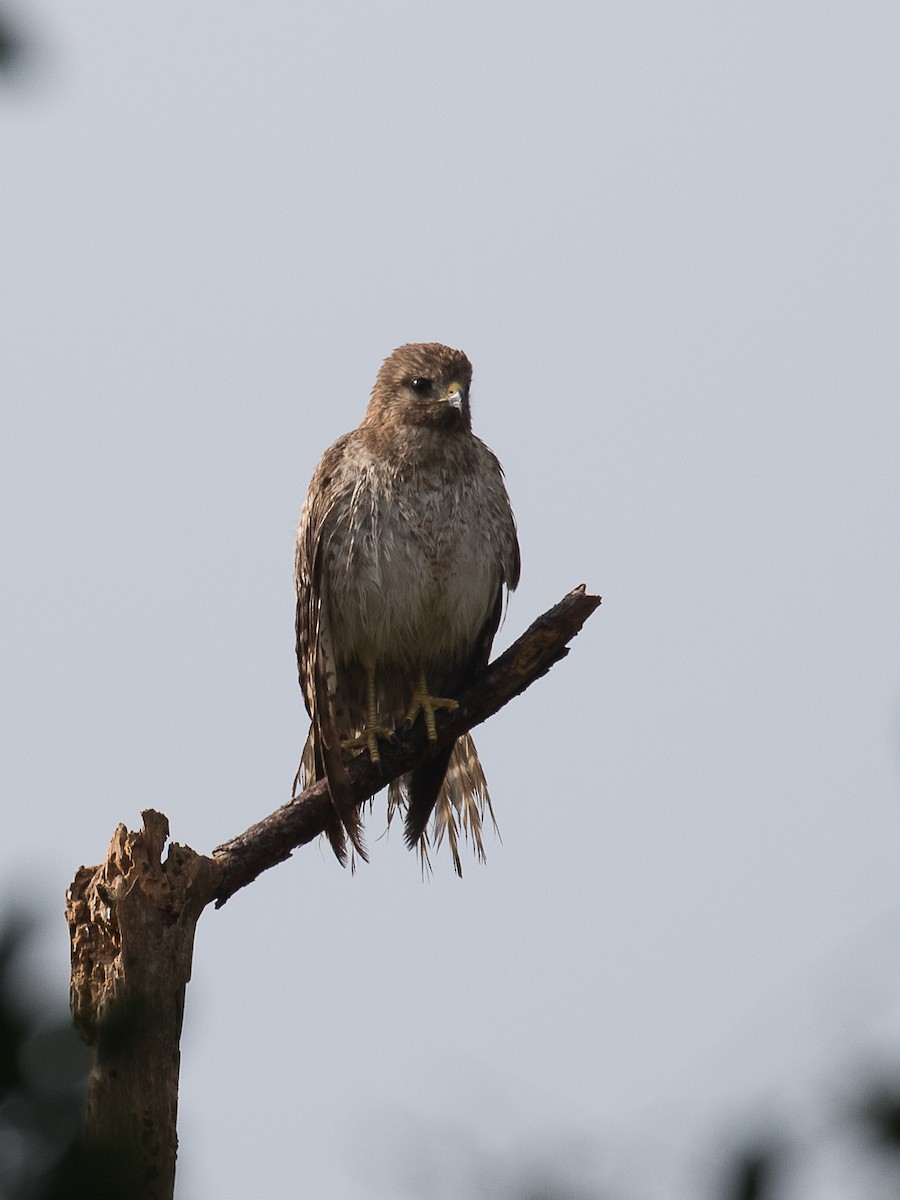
(271, 840)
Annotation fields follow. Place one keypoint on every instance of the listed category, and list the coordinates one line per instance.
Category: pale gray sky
(667, 237)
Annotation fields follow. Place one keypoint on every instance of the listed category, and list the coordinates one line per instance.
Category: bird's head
(423, 384)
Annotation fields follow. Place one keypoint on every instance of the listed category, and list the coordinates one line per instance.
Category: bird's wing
(509, 559)
(315, 657)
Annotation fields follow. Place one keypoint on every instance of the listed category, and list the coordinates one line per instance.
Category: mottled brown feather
(406, 546)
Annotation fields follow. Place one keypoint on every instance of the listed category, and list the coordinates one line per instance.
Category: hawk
(406, 548)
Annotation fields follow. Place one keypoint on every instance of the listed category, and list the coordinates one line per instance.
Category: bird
(406, 551)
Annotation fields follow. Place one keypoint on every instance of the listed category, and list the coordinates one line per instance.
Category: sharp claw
(367, 739)
(423, 702)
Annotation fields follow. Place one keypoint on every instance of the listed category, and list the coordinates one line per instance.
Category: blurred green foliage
(43, 1089)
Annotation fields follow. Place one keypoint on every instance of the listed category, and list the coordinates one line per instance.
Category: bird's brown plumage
(406, 544)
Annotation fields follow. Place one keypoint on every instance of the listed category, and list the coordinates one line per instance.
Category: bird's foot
(367, 739)
(423, 702)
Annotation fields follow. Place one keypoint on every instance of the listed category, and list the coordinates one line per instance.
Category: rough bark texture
(131, 923)
(132, 919)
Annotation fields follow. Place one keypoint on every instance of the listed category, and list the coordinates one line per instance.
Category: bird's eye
(421, 386)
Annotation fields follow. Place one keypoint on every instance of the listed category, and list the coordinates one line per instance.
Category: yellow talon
(370, 733)
(368, 738)
(424, 702)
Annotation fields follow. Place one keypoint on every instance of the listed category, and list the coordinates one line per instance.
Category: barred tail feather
(456, 791)
(463, 803)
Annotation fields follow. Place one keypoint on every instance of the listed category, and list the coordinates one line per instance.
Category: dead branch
(271, 840)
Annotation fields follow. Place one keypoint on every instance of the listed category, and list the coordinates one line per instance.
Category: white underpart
(420, 578)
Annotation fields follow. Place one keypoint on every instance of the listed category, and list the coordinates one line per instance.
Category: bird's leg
(423, 702)
(371, 731)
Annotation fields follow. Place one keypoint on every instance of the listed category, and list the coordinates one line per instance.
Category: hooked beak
(454, 396)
